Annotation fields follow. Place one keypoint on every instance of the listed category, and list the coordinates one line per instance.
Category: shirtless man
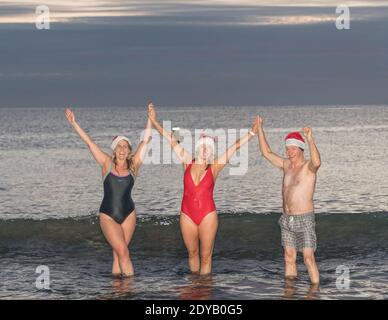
(298, 220)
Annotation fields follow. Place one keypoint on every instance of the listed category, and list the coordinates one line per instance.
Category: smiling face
(122, 150)
(294, 153)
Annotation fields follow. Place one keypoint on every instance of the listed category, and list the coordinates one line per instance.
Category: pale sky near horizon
(68, 11)
(215, 52)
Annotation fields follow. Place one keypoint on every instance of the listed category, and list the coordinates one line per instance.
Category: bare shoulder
(214, 167)
(185, 165)
(308, 166)
(106, 166)
(286, 164)
(217, 164)
(135, 170)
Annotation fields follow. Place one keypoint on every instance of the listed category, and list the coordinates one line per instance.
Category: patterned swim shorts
(298, 231)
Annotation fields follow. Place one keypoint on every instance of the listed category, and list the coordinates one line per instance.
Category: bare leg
(128, 227)
(190, 237)
(313, 292)
(207, 234)
(289, 287)
(115, 237)
(312, 268)
(290, 270)
(116, 271)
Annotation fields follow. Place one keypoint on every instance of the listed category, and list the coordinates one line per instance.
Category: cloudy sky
(192, 53)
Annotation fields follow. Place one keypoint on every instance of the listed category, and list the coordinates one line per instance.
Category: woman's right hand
(70, 116)
(151, 112)
(259, 121)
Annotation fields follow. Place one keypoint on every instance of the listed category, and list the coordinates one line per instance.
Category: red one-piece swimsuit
(198, 199)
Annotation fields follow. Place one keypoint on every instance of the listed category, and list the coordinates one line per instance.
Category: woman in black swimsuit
(117, 211)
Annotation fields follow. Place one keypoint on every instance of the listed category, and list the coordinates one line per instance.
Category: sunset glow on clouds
(255, 12)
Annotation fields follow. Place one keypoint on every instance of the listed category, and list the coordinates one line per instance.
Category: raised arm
(315, 161)
(100, 156)
(264, 147)
(223, 160)
(142, 147)
(181, 153)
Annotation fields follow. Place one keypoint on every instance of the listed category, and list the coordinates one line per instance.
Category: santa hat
(117, 139)
(295, 139)
(206, 139)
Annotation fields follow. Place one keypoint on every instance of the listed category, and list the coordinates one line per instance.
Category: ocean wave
(358, 229)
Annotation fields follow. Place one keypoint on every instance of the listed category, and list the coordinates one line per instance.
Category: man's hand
(70, 116)
(315, 161)
(308, 133)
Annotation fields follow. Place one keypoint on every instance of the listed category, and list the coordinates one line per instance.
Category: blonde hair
(210, 158)
(129, 159)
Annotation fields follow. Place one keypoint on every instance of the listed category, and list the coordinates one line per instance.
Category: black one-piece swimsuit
(117, 202)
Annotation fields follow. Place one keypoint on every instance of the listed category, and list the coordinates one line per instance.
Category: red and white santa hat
(117, 139)
(295, 139)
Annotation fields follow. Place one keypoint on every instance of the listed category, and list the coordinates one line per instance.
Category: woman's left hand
(255, 126)
(151, 112)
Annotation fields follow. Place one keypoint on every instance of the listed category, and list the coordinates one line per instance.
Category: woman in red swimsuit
(198, 219)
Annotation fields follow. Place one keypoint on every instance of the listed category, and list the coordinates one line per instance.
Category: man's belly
(297, 201)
